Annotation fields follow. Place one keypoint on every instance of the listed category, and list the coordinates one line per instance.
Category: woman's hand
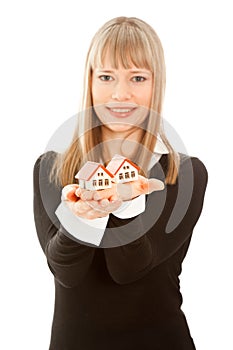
(123, 191)
(88, 209)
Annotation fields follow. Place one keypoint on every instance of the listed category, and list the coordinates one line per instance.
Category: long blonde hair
(129, 40)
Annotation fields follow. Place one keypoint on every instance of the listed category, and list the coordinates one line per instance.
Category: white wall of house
(89, 185)
(81, 183)
(126, 173)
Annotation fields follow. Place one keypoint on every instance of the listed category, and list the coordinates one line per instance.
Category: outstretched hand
(95, 204)
(88, 209)
(123, 191)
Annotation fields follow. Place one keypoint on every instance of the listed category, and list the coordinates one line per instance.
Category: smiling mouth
(121, 112)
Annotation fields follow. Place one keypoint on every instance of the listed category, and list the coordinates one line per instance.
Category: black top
(125, 297)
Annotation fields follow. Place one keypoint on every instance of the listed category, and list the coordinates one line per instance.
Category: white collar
(159, 150)
(160, 147)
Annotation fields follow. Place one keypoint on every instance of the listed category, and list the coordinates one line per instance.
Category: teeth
(121, 110)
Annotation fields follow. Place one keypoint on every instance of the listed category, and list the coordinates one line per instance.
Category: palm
(124, 191)
(132, 189)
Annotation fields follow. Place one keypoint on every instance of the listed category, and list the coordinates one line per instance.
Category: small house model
(123, 169)
(94, 176)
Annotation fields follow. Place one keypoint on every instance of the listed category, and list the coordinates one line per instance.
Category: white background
(43, 47)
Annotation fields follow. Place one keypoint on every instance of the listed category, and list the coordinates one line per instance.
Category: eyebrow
(104, 70)
(133, 71)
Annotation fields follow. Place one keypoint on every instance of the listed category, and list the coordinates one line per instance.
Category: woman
(116, 254)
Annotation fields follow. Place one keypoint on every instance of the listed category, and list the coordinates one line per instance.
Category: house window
(106, 182)
(127, 175)
(127, 167)
(94, 182)
(132, 173)
(121, 177)
(102, 174)
(100, 182)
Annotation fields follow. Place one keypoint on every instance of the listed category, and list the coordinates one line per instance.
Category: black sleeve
(167, 224)
(68, 260)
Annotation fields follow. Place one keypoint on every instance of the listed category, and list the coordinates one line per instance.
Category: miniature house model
(94, 176)
(123, 169)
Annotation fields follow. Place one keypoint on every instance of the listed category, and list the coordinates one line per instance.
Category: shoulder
(46, 159)
(43, 166)
(194, 167)
(197, 164)
(46, 193)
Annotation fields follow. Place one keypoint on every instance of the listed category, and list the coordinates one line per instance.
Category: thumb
(68, 192)
(155, 185)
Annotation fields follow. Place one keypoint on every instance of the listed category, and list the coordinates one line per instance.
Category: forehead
(107, 64)
(110, 60)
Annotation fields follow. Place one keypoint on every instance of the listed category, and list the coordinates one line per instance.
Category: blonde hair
(129, 41)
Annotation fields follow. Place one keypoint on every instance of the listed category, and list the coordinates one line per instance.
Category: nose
(121, 91)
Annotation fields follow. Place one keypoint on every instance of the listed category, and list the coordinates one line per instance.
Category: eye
(105, 77)
(138, 79)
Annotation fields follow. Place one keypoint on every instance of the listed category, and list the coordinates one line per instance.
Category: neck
(124, 143)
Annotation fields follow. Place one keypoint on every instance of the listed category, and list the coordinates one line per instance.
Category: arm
(85, 214)
(92, 230)
(86, 230)
(173, 225)
(68, 260)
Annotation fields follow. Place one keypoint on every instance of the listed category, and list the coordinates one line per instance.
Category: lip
(121, 111)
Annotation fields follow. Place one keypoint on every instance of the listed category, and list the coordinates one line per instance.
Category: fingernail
(104, 202)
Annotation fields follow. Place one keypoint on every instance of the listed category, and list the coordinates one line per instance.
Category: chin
(119, 127)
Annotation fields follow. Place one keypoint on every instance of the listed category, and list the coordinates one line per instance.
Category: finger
(96, 205)
(78, 192)
(103, 194)
(150, 185)
(104, 202)
(154, 185)
(86, 195)
(93, 214)
(68, 192)
(85, 211)
(81, 206)
(113, 205)
(110, 207)
(114, 197)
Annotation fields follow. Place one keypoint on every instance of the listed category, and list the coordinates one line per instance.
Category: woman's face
(121, 97)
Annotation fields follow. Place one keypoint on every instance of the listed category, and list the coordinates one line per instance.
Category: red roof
(116, 163)
(89, 169)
